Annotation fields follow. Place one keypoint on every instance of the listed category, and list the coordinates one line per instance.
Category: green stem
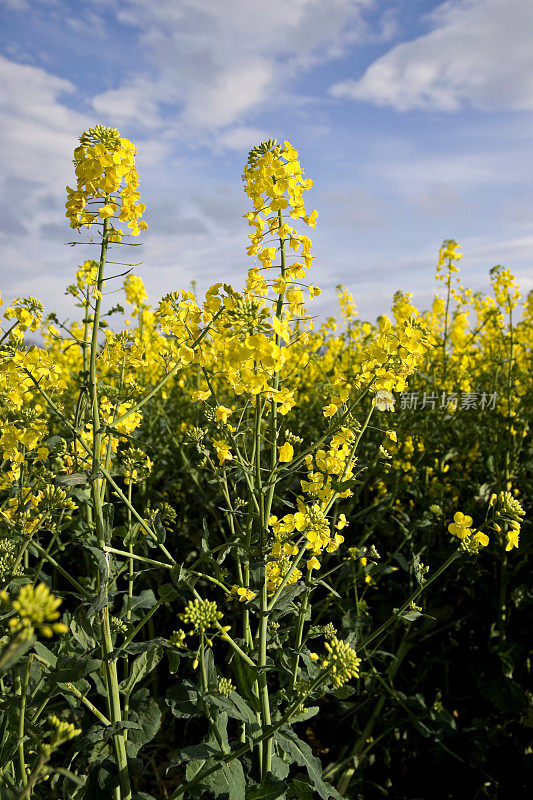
(140, 625)
(32, 780)
(22, 719)
(47, 557)
(131, 576)
(287, 577)
(413, 596)
(135, 557)
(265, 753)
(227, 638)
(9, 650)
(299, 635)
(101, 533)
(262, 679)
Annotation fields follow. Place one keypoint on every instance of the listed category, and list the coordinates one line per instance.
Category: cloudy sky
(413, 117)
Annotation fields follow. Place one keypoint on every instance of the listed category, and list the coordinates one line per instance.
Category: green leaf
(257, 571)
(159, 529)
(307, 713)
(72, 480)
(173, 660)
(411, 614)
(402, 561)
(227, 782)
(108, 511)
(182, 699)
(212, 679)
(270, 789)
(287, 596)
(280, 768)
(102, 780)
(421, 728)
(167, 592)
(303, 755)
(149, 644)
(342, 692)
(141, 667)
(182, 578)
(146, 599)
(130, 537)
(82, 630)
(45, 653)
(70, 669)
(329, 588)
(144, 711)
(200, 752)
(234, 706)
(205, 536)
(116, 727)
(300, 790)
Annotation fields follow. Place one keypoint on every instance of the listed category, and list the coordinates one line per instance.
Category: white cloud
(136, 101)
(214, 62)
(16, 5)
(479, 54)
(242, 138)
(38, 131)
(36, 141)
(502, 251)
(234, 90)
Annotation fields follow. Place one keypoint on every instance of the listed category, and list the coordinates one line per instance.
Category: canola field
(249, 554)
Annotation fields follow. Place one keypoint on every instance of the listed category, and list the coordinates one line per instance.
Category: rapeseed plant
(230, 463)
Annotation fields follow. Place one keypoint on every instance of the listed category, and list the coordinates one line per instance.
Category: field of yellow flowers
(245, 554)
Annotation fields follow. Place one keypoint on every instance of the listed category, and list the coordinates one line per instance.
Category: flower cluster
(27, 313)
(36, 609)
(8, 559)
(331, 466)
(462, 528)
(308, 523)
(246, 344)
(279, 566)
(342, 661)
(103, 160)
(137, 465)
(201, 614)
(509, 512)
(134, 290)
(61, 732)
(112, 411)
(177, 638)
(243, 594)
(225, 686)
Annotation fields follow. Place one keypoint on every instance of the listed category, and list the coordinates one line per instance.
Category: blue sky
(413, 118)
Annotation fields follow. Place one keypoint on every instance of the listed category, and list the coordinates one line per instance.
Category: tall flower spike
(273, 180)
(105, 170)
